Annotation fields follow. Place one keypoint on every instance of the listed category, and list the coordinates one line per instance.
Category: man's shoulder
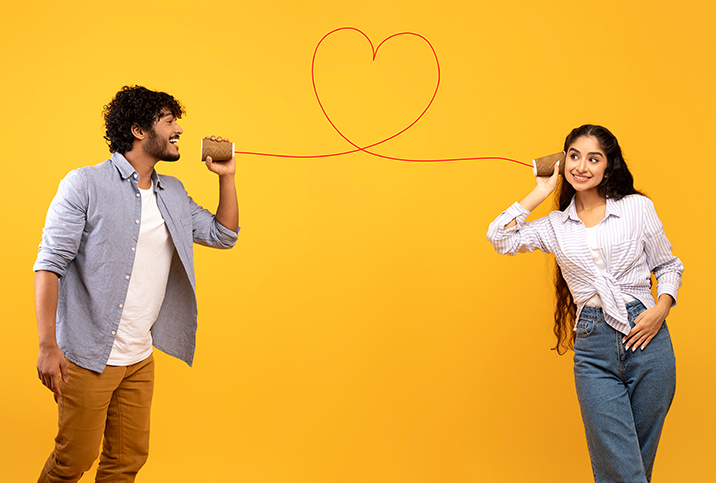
(85, 174)
(171, 183)
(99, 169)
(165, 178)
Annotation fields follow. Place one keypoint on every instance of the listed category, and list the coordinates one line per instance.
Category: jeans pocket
(633, 312)
(584, 327)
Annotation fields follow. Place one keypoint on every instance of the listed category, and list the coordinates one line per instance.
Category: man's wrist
(48, 345)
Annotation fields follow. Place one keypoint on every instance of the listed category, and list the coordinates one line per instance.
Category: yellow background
(363, 330)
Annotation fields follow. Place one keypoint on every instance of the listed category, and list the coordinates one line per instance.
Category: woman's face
(585, 164)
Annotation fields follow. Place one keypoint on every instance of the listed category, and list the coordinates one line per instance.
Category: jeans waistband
(597, 311)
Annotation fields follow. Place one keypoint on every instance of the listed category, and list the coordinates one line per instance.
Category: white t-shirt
(147, 284)
(601, 264)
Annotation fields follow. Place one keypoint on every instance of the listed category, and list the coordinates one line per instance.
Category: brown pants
(116, 404)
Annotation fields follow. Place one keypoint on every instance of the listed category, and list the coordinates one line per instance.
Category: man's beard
(158, 148)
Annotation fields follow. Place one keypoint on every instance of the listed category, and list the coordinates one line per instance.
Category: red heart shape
(374, 51)
(365, 149)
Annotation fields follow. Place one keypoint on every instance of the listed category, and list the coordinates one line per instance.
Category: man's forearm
(227, 213)
(46, 294)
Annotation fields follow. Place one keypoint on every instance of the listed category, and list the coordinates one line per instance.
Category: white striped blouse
(632, 241)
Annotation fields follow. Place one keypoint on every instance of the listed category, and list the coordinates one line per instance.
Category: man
(114, 276)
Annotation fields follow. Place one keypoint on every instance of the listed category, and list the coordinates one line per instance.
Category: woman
(607, 241)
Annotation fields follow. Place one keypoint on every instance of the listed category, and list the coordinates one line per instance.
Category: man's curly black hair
(135, 105)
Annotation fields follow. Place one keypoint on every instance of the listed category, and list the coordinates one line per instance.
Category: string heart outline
(365, 149)
(374, 51)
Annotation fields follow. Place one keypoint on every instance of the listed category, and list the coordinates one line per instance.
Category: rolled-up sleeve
(64, 225)
(667, 268)
(207, 231)
(521, 238)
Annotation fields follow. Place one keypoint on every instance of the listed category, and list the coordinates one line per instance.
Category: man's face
(163, 137)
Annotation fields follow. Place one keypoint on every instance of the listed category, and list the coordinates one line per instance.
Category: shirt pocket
(622, 255)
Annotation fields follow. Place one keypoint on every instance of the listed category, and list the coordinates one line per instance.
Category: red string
(365, 149)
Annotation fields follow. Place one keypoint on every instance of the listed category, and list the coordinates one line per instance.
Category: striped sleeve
(521, 238)
(666, 267)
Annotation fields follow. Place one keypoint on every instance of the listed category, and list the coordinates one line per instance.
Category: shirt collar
(126, 170)
(570, 213)
(613, 208)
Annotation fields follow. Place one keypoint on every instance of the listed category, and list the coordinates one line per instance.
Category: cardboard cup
(218, 150)
(544, 166)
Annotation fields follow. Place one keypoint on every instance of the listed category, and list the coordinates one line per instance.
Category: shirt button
(136, 221)
(126, 277)
(133, 248)
(138, 195)
(114, 332)
(135, 175)
(121, 305)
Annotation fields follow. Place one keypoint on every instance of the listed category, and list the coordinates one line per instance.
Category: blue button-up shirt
(89, 241)
(631, 239)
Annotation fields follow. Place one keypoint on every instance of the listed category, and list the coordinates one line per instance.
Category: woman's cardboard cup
(544, 166)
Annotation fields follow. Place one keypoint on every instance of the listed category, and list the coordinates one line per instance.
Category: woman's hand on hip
(647, 324)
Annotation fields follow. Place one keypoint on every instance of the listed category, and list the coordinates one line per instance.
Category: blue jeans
(623, 395)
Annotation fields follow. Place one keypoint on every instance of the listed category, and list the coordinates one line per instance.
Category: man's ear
(138, 132)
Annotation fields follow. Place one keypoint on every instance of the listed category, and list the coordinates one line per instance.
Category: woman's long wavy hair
(617, 183)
